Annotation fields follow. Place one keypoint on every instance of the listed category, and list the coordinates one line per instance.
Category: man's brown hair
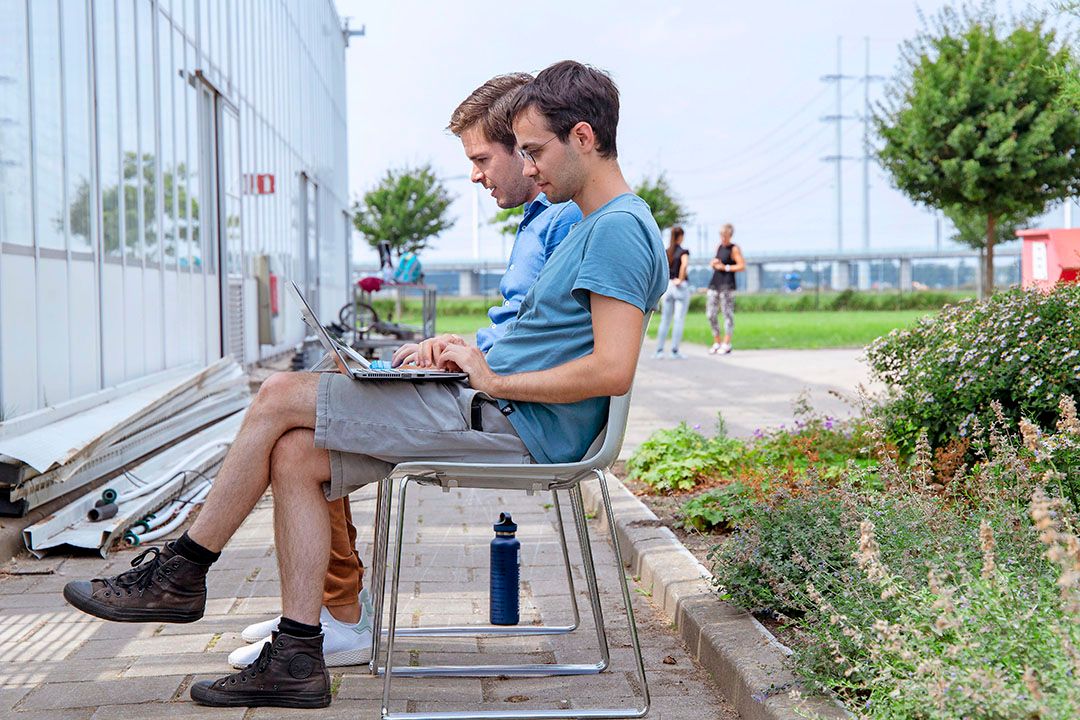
(489, 106)
(569, 92)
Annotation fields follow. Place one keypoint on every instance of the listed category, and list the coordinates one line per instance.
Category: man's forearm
(579, 379)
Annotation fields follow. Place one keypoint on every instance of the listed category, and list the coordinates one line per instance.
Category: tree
(975, 123)
(666, 209)
(406, 208)
(971, 227)
(508, 220)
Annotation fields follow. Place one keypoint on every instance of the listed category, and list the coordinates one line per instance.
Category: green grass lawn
(800, 330)
(754, 330)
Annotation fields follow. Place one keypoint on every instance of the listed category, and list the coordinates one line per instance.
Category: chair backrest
(604, 450)
(601, 455)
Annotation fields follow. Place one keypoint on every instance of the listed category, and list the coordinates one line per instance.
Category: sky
(726, 98)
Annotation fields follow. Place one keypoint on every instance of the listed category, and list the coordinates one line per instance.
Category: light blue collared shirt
(541, 230)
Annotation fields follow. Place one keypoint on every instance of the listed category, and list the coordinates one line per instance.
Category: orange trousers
(345, 574)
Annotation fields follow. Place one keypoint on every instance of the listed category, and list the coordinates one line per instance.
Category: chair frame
(530, 478)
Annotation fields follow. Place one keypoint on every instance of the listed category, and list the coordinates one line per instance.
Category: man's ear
(582, 138)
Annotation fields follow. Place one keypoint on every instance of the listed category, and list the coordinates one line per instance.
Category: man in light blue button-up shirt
(482, 122)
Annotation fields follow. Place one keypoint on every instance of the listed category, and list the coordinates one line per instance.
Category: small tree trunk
(988, 258)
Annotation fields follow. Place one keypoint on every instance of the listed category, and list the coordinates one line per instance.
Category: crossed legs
(275, 446)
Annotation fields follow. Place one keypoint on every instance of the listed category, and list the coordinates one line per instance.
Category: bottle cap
(506, 524)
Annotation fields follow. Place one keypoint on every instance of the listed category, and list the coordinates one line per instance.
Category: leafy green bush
(844, 300)
(677, 459)
(1018, 348)
(720, 507)
(910, 604)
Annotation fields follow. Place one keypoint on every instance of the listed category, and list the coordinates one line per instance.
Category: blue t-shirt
(541, 230)
(616, 251)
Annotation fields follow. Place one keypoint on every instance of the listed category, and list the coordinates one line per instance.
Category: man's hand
(470, 360)
(716, 264)
(405, 354)
(427, 353)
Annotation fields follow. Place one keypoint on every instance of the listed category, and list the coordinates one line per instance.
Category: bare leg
(285, 401)
(301, 523)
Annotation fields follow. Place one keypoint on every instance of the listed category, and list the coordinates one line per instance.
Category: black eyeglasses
(530, 155)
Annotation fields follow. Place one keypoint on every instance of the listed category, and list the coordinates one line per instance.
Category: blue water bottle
(505, 572)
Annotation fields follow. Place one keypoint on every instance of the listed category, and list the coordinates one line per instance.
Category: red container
(1049, 257)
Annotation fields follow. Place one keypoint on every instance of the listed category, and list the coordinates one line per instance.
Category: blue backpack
(408, 269)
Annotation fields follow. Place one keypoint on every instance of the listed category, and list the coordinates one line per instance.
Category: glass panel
(195, 168)
(168, 153)
(230, 157)
(14, 128)
(129, 124)
(107, 125)
(77, 123)
(204, 30)
(147, 127)
(183, 193)
(48, 140)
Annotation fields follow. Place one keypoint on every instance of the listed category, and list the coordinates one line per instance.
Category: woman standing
(728, 261)
(676, 300)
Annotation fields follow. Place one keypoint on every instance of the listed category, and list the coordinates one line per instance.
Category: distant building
(158, 159)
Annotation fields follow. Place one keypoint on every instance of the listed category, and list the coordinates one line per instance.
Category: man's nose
(476, 175)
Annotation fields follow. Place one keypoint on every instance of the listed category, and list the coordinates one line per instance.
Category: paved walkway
(751, 388)
(58, 664)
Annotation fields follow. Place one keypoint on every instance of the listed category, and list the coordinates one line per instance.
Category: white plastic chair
(529, 478)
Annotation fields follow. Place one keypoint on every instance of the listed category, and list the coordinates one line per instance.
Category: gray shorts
(371, 426)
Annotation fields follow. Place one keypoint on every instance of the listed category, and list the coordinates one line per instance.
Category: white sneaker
(725, 349)
(343, 643)
(658, 355)
(715, 348)
(676, 355)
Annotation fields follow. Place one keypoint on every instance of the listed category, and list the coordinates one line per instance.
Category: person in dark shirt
(721, 297)
(676, 300)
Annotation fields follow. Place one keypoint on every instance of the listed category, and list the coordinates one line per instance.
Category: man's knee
(294, 456)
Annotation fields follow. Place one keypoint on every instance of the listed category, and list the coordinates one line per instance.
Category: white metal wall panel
(112, 323)
(198, 313)
(251, 319)
(83, 349)
(154, 325)
(20, 335)
(135, 310)
(53, 342)
(174, 344)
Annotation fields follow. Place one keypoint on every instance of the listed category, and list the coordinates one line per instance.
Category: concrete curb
(747, 661)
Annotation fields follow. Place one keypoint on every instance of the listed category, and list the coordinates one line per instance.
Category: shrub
(676, 460)
(1017, 348)
(718, 508)
(910, 602)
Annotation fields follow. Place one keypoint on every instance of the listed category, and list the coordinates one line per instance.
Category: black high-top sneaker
(166, 588)
(289, 672)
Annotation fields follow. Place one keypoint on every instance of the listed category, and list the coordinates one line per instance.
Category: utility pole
(839, 157)
(865, 267)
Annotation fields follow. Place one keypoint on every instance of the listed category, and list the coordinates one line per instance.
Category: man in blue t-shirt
(483, 123)
(541, 393)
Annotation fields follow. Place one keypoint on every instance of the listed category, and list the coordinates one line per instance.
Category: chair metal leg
(625, 593)
(514, 630)
(378, 566)
(581, 714)
(590, 575)
(523, 670)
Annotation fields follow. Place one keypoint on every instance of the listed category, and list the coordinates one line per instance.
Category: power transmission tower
(839, 157)
(867, 78)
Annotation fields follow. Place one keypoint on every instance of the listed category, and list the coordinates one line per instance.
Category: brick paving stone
(58, 696)
(70, 662)
(175, 710)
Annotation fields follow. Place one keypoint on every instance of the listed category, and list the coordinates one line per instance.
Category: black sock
(298, 629)
(194, 552)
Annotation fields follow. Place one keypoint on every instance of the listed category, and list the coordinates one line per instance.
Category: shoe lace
(260, 663)
(139, 578)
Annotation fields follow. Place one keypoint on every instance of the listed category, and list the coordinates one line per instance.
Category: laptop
(339, 354)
